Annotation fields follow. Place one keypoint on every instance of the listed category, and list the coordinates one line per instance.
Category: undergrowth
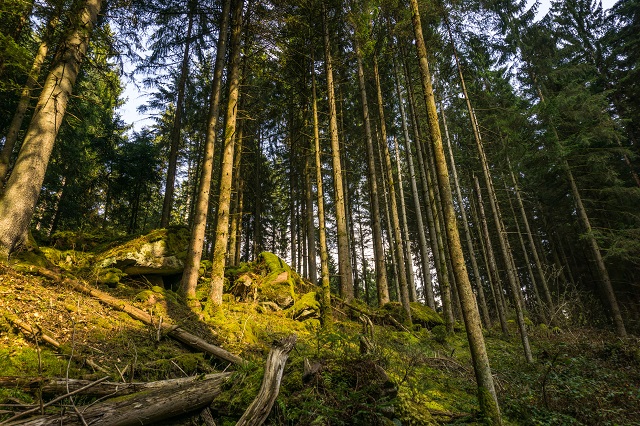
(417, 377)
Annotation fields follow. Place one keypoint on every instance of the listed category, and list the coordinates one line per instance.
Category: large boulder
(160, 252)
(420, 314)
(269, 280)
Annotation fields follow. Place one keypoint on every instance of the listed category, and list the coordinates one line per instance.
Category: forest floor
(416, 377)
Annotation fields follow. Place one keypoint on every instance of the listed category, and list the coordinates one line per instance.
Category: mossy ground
(409, 378)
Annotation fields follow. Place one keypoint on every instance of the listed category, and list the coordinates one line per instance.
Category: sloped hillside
(368, 369)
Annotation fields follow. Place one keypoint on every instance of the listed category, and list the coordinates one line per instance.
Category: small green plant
(440, 334)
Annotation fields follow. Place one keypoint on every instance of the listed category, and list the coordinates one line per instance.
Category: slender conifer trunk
(413, 294)
(176, 128)
(507, 255)
(486, 391)
(226, 176)
(311, 233)
(424, 249)
(534, 250)
(391, 185)
(465, 223)
(326, 314)
(194, 254)
(378, 248)
(344, 257)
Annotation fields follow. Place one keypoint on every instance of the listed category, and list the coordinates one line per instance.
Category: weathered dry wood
(171, 330)
(57, 386)
(53, 401)
(261, 406)
(27, 329)
(143, 408)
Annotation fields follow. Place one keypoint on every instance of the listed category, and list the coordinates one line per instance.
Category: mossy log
(260, 407)
(59, 386)
(142, 408)
(171, 330)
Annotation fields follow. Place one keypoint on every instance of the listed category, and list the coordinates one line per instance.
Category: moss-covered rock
(307, 307)
(425, 316)
(279, 284)
(420, 314)
(110, 276)
(396, 310)
(160, 252)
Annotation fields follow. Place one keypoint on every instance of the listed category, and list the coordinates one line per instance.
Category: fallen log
(53, 401)
(57, 386)
(260, 407)
(142, 408)
(172, 330)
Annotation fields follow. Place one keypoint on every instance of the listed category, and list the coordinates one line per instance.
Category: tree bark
(344, 257)
(607, 288)
(435, 233)
(24, 184)
(196, 243)
(534, 249)
(326, 314)
(311, 228)
(507, 255)
(226, 176)
(486, 391)
(236, 215)
(391, 185)
(378, 248)
(424, 249)
(413, 293)
(539, 305)
(465, 223)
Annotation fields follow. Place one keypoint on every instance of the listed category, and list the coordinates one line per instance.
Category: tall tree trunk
(365, 266)
(177, 124)
(344, 259)
(534, 249)
(424, 249)
(486, 391)
(25, 97)
(194, 254)
(413, 294)
(540, 308)
(493, 266)
(293, 211)
(507, 255)
(605, 280)
(607, 288)
(222, 226)
(311, 233)
(435, 233)
(239, 215)
(465, 223)
(378, 248)
(258, 244)
(236, 215)
(391, 185)
(24, 184)
(326, 314)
